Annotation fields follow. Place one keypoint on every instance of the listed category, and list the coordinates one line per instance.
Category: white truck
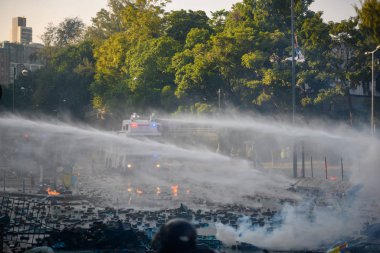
(140, 127)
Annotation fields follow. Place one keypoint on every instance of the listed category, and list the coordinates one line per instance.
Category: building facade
(20, 53)
(21, 33)
(24, 35)
(15, 57)
(4, 67)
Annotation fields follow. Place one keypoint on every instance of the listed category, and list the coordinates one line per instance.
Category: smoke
(251, 157)
(265, 125)
(204, 173)
(310, 227)
(296, 230)
(367, 172)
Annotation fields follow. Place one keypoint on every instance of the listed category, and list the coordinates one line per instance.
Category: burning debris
(174, 190)
(52, 192)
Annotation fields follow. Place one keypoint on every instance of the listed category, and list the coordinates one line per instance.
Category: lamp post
(293, 65)
(373, 90)
(293, 88)
(219, 100)
(13, 89)
(24, 72)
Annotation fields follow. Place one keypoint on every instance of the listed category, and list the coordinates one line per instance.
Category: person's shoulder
(202, 249)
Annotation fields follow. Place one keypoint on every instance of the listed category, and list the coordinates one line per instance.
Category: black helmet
(175, 236)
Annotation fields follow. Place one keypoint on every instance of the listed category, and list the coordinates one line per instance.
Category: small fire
(139, 191)
(333, 178)
(158, 190)
(129, 189)
(52, 192)
(175, 190)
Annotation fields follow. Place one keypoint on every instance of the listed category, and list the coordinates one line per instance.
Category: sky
(40, 13)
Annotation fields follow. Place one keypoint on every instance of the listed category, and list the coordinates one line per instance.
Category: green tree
(63, 85)
(132, 66)
(250, 50)
(134, 75)
(196, 76)
(369, 19)
(314, 78)
(218, 20)
(196, 36)
(148, 65)
(347, 59)
(110, 88)
(179, 23)
(134, 17)
(107, 22)
(67, 32)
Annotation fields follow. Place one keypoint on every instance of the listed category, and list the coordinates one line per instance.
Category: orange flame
(129, 189)
(175, 190)
(52, 192)
(138, 191)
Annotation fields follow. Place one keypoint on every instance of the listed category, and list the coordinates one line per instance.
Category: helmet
(175, 236)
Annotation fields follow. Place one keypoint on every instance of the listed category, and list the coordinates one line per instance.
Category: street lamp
(24, 72)
(373, 90)
(293, 65)
(219, 100)
(293, 87)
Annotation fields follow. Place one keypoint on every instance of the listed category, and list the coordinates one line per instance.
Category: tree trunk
(349, 100)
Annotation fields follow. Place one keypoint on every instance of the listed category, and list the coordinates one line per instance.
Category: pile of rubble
(79, 225)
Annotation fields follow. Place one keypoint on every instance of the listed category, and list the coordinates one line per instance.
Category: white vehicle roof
(141, 127)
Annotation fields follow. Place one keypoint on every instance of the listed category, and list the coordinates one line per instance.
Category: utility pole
(293, 89)
(24, 72)
(373, 90)
(303, 160)
(219, 100)
(373, 96)
(293, 66)
(13, 90)
(4, 180)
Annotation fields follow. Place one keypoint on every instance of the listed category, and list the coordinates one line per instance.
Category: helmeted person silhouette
(178, 236)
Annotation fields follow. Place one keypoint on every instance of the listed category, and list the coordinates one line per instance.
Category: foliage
(138, 18)
(67, 32)
(196, 36)
(218, 20)
(370, 19)
(138, 57)
(179, 23)
(133, 75)
(63, 85)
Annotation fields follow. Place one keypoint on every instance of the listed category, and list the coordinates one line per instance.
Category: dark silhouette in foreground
(178, 236)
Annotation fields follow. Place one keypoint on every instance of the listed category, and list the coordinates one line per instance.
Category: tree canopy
(135, 55)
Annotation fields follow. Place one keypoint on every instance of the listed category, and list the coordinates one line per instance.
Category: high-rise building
(20, 33)
(16, 23)
(24, 34)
